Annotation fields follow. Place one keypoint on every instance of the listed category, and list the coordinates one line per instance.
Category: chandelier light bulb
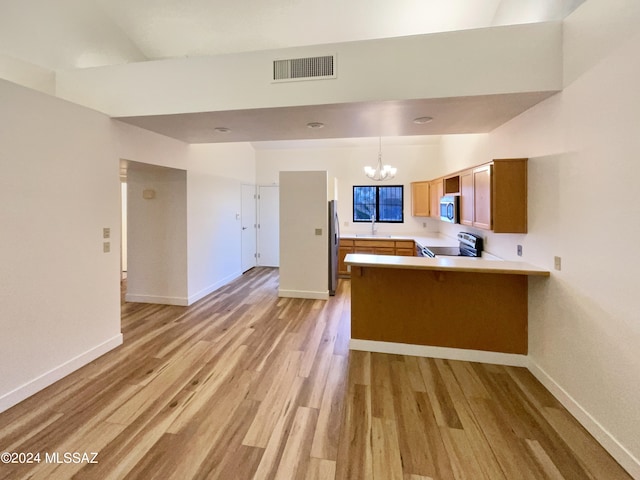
(380, 173)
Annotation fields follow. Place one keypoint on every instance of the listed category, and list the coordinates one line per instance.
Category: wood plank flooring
(245, 385)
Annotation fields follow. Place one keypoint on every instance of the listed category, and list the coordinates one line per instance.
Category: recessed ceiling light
(222, 129)
(422, 120)
(315, 125)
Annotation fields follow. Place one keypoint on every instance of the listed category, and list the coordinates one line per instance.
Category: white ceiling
(478, 114)
(69, 34)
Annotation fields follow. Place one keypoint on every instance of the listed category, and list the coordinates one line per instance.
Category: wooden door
(482, 197)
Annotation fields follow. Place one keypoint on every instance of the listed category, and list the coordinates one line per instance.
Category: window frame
(377, 203)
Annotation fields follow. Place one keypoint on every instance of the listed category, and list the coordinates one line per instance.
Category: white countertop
(424, 240)
(433, 240)
(454, 264)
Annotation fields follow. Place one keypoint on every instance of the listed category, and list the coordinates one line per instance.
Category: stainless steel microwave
(449, 208)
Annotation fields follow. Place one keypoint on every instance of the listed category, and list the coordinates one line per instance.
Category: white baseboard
(323, 295)
(608, 442)
(212, 288)
(179, 301)
(23, 392)
(511, 359)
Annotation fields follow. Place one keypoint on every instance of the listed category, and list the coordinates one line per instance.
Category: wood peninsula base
(445, 308)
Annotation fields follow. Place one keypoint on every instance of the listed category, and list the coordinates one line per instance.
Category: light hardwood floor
(245, 385)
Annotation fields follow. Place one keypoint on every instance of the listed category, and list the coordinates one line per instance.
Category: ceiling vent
(311, 68)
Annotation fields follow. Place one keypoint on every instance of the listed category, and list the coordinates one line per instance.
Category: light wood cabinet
(482, 197)
(376, 247)
(345, 247)
(405, 248)
(466, 198)
(436, 189)
(500, 196)
(372, 246)
(420, 200)
(493, 196)
(509, 195)
(451, 185)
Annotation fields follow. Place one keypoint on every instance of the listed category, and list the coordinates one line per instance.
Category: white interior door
(269, 226)
(249, 220)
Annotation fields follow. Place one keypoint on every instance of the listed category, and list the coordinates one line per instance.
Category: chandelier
(380, 172)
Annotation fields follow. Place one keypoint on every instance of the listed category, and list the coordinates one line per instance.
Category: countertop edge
(451, 264)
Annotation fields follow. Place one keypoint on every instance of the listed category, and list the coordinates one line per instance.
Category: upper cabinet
(493, 196)
(509, 195)
(436, 191)
(420, 201)
(466, 198)
(451, 185)
(482, 217)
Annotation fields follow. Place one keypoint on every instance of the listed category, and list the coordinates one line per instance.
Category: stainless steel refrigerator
(334, 243)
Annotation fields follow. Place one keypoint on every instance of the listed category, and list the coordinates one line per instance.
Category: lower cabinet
(405, 248)
(346, 246)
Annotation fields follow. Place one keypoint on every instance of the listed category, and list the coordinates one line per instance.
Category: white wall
(584, 327)
(209, 190)
(229, 160)
(509, 59)
(345, 163)
(157, 235)
(215, 175)
(59, 187)
(26, 74)
(214, 232)
(143, 146)
(304, 255)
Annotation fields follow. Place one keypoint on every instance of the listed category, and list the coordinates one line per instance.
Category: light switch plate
(106, 247)
(106, 232)
(148, 194)
(318, 231)
(557, 263)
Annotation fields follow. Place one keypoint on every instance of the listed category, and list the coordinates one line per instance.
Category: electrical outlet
(557, 263)
(519, 250)
(106, 247)
(424, 224)
(106, 232)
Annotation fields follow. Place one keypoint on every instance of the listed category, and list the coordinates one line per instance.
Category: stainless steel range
(470, 245)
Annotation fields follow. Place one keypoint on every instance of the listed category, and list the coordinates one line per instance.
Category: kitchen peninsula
(455, 302)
